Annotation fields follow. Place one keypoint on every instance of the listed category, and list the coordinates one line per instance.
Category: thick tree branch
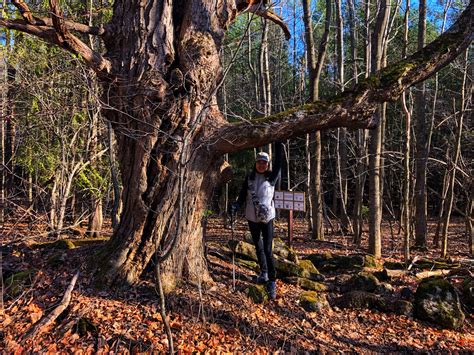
(355, 108)
(271, 16)
(47, 23)
(28, 17)
(73, 44)
(24, 11)
(59, 34)
(259, 8)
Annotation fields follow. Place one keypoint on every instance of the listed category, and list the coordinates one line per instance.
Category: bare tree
(375, 149)
(314, 68)
(406, 218)
(454, 161)
(422, 150)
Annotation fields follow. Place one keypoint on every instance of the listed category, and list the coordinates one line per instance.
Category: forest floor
(214, 319)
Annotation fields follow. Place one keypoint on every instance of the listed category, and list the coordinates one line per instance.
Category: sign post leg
(290, 228)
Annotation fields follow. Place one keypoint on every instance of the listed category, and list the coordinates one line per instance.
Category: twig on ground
(39, 327)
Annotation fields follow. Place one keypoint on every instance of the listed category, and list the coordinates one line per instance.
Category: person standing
(257, 193)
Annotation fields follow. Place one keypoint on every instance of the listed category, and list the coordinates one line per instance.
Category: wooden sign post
(291, 201)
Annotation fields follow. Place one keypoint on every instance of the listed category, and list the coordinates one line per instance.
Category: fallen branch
(425, 274)
(39, 327)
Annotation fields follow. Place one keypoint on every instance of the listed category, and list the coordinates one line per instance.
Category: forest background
(60, 173)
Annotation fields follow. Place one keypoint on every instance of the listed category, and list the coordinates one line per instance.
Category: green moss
(15, 283)
(249, 264)
(243, 249)
(312, 301)
(88, 241)
(393, 72)
(307, 267)
(369, 261)
(369, 83)
(257, 293)
(58, 244)
(310, 285)
(363, 281)
(437, 301)
(287, 268)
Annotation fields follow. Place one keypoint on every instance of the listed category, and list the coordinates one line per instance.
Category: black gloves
(233, 208)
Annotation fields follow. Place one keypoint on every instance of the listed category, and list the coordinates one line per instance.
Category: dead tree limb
(39, 327)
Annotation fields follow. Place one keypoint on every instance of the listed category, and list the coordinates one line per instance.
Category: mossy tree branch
(354, 108)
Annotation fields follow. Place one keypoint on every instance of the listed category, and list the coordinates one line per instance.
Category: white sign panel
(298, 206)
(278, 195)
(289, 200)
(288, 196)
(298, 196)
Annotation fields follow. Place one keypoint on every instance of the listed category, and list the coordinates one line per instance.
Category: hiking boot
(272, 290)
(262, 278)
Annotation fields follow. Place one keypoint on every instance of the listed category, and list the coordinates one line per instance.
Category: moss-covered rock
(16, 282)
(329, 262)
(363, 281)
(286, 268)
(305, 269)
(437, 301)
(383, 289)
(257, 293)
(249, 264)
(305, 284)
(281, 248)
(309, 271)
(63, 244)
(243, 249)
(88, 241)
(361, 300)
(310, 285)
(401, 307)
(319, 260)
(292, 280)
(468, 292)
(312, 301)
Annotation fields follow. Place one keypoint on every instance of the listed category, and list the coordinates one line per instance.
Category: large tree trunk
(162, 100)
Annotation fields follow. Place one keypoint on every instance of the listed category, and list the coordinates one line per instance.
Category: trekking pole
(233, 252)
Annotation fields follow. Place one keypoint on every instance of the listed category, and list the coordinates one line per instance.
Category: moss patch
(16, 282)
(312, 301)
(257, 293)
(363, 281)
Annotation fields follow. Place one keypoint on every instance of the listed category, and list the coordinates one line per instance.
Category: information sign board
(290, 200)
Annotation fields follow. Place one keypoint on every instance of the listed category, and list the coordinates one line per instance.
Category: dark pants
(262, 236)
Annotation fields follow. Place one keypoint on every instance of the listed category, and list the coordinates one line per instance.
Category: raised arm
(277, 163)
